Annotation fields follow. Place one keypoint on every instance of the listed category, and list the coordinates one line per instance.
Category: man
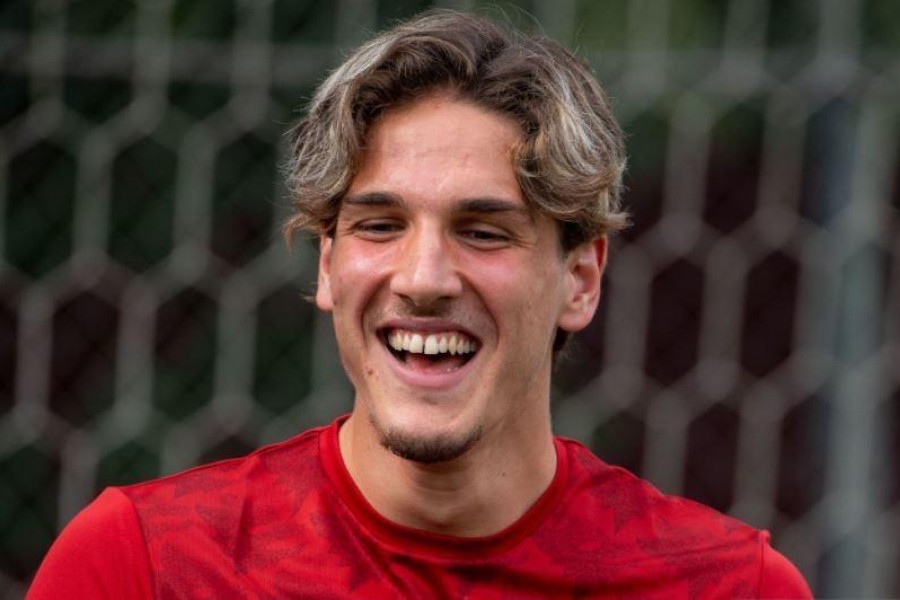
(462, 180)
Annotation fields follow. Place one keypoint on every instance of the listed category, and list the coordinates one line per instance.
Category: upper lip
(427, 325)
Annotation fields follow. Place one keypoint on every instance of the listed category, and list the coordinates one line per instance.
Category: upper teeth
(433, 343)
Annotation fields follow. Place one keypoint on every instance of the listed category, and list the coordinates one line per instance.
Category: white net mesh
(746, 351)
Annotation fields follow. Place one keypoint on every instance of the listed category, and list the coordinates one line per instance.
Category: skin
(434, 234)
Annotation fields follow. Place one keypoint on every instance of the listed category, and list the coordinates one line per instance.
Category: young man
(462, 180)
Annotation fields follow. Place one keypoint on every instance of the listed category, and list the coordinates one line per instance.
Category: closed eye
(377, 229)
(486, 237)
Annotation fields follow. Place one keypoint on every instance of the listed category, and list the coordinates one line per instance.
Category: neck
(478, 494)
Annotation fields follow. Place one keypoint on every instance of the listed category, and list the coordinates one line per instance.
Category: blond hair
(569, 161)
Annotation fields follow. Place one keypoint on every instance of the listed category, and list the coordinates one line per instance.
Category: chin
(426, 448)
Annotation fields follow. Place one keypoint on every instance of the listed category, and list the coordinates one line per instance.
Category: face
(445, 289)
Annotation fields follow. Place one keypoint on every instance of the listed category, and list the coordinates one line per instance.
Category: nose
(426, 270)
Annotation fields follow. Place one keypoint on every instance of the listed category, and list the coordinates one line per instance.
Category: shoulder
(237, 508)
(780, 578)
(638, 524)
(187, 524)
(216, 495)
(635, 507)
(284, 463)
(100, 553)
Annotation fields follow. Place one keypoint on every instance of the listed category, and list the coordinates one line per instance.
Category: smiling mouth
(440, 351)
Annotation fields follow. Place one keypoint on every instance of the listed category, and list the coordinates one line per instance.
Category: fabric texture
(287, 521)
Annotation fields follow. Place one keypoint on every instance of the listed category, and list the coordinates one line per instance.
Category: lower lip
(433, 380)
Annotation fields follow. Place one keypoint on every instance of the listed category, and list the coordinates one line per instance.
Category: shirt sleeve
(100, 554)
(779, 577)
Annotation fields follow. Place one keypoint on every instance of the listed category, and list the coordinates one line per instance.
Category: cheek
(528, 285)
(355, 272)
(527, 296)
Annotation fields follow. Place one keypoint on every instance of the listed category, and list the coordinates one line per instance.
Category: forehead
(440, 149)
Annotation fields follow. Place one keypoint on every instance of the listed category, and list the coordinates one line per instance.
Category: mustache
(440, 309)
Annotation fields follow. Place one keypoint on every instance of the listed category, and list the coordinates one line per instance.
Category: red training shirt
(287, 521)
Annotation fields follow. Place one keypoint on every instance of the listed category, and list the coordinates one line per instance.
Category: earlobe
(324, 298)
(586, 264)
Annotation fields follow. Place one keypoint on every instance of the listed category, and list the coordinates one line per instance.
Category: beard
(426, 450)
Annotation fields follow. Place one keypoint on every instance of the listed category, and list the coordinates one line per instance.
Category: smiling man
(462, 180)
(447, 288)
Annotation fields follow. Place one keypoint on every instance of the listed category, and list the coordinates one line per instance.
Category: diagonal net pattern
(746, 352)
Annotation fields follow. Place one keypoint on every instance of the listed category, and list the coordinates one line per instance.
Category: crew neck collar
(408, 539)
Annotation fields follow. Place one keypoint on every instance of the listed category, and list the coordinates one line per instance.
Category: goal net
(745, 353)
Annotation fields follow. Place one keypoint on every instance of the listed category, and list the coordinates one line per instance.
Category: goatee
(427, 450)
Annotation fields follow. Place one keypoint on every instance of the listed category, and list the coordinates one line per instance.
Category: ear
(585, 265)
(324, 298)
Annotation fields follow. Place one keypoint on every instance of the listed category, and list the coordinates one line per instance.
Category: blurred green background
(746, 352)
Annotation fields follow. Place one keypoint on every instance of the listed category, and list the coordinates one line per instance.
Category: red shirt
(287, 521)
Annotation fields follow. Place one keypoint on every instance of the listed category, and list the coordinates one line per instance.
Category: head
(569, 160)
(560, 153)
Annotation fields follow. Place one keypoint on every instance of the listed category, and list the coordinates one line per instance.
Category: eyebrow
(493, 205)
(471, 205)
(373, 199)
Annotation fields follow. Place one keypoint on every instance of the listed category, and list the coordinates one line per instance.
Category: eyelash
(377, 227)
(378, 230)
(483, 235)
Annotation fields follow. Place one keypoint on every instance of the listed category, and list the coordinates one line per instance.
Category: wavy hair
(568, 162)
